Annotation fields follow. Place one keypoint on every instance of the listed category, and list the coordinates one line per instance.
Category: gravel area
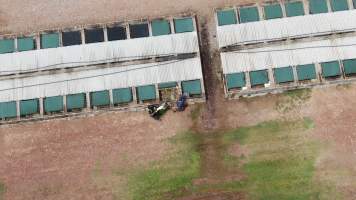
(17, 16)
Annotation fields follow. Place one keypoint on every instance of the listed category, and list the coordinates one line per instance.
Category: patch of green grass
(281, 159)
(278, 162)
(299, 93)
(166, 179)
(232, 161)
(344, 86)
(292, 99)
(97, 169)
(2, 190)
(308, 123)
(195, 113)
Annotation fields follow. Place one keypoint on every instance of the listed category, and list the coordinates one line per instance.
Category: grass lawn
(2, 190)
(166, 179)
(279, 164)
(281, 159)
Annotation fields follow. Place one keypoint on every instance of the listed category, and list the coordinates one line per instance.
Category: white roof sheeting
(132, 75)
(287, 27)
(96, 53)
(299, 53)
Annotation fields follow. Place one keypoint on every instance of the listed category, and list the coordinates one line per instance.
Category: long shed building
(286, 44)
(106, 65)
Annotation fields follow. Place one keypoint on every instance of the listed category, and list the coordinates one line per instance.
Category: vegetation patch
(299, 93)
(278, 162)
(168, 178)
(196, 111)
(2, 190)
(292, 99)
(279, 165)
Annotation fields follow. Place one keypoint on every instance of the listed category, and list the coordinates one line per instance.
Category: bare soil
(56, 159)
(18, 16)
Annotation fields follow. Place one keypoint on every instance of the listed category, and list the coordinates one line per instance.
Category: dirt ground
(41, 160)
(56, 159)
(18, 16)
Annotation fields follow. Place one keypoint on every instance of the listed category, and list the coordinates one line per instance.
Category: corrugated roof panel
(274, 31)
(120, 77)
(299, 53)
(96, 53)
(288, 27)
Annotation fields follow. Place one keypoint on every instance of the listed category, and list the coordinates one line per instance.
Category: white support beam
(284, 12)
(111, 98)
(157, 92)
(271, 77)
(341, 66)
(318, 71)
(15, 44)
(351, 4)
(134, 95)
(248, 80)
(171, 23)
(60, 34)
(149, 28)
(82, 32)
(295, 74)
(18, 114)
(105, 34)
(40, 101)
(38, 41)
(87, 96)
(202, 86)
(127, 28)
(260, 11)
(179, 86)
(328, 3)
(306, 7)
(65, 103)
